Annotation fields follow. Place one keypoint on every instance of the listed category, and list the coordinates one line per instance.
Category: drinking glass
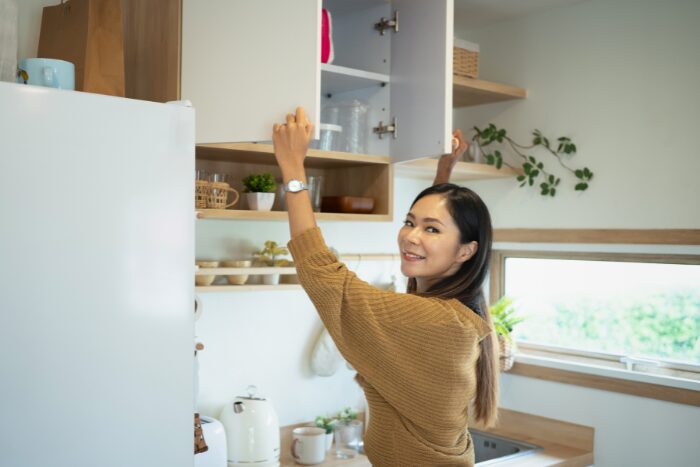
(347, 438)
(315, 184)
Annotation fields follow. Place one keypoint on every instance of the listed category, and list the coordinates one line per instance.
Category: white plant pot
(260, 201)
(271, 279)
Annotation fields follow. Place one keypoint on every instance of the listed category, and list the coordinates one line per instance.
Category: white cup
(309, 445)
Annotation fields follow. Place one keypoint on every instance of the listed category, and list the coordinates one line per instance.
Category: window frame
(670, 381)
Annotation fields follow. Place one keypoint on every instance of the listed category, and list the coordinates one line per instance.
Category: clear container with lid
(329, 139)
(352, 117)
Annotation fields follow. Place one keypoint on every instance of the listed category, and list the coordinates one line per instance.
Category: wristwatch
(295, 186)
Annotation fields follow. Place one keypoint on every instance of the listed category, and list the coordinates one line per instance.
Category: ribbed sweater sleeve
(408, 347)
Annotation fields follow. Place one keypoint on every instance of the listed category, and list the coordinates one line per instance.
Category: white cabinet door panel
(421, 78)
(246, 63)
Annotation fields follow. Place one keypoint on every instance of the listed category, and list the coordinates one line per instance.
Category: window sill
(564, 370)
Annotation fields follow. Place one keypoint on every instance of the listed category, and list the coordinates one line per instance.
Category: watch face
(294, 186)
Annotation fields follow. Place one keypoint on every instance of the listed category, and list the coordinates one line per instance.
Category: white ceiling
(472, 14)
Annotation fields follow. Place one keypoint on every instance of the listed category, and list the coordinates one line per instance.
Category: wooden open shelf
(462, 172)
(245, 288)
(262, 270)
(467, 92)
(343, 174)
(282, 215)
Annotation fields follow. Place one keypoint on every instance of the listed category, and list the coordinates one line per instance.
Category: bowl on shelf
(347, 204)
(237, 279)
(208, 278)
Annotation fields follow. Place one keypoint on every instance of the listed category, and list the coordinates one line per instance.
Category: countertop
(565, 444)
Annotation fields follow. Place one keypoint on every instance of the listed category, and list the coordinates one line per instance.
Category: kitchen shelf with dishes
(238, 278)
(359, 176)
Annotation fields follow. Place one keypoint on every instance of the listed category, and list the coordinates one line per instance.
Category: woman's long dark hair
(474, 222)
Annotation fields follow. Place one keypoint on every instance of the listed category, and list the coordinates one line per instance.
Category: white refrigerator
(96, 280)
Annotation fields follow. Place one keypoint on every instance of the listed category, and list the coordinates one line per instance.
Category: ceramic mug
(47, 72)
(309, 445)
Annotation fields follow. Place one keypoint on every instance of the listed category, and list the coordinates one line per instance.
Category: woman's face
(429, 241)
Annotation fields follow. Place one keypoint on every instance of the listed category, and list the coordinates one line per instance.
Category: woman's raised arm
(291, 141)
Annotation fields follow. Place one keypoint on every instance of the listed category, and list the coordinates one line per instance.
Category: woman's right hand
(291, 141)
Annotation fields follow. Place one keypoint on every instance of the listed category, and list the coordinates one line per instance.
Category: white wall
(619, 77)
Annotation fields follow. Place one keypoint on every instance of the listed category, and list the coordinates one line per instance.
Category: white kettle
(252, 431)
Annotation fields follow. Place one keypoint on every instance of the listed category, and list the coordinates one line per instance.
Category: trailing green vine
(533, 168)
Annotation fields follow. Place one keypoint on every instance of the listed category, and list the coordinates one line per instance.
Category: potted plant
(504, 320)
(260, 191)
(269, 256)
(327, 423)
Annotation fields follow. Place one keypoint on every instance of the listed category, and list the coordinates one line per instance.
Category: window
(642, 309)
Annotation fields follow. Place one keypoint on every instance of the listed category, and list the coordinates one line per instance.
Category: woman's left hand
(291, 141)
(447, 162)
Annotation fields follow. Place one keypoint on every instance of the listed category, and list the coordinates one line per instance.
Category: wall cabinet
(244, 64)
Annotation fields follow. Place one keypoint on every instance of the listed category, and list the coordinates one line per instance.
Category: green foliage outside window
(663, 325)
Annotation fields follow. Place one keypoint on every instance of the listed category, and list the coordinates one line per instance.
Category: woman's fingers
(301, 116)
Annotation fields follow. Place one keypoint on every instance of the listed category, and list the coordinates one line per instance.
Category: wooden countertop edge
(564, 444)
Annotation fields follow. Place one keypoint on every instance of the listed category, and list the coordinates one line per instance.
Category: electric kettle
(252, 431)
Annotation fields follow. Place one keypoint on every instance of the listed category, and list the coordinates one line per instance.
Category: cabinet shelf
(344, 174)
(468, 92)
(282, 215)
(254, 153)
(336, 79)
(463, 171)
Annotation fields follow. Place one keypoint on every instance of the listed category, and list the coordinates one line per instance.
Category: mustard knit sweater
(417, 356)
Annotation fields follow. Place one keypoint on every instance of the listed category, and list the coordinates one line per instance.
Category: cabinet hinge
(385, 24)
(382, 129)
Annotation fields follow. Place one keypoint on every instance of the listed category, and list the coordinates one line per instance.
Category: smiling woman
(425, 359)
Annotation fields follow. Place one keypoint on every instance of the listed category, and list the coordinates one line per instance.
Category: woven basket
(217, 196)
(506, 353)
(465, 63)
(201, 191)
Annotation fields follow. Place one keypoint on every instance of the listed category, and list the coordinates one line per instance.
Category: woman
(424, 356)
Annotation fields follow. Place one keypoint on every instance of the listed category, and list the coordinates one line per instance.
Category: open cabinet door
(246, 63)
(421, 78)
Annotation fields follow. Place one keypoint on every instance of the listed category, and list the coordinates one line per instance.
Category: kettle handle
(294, 452)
